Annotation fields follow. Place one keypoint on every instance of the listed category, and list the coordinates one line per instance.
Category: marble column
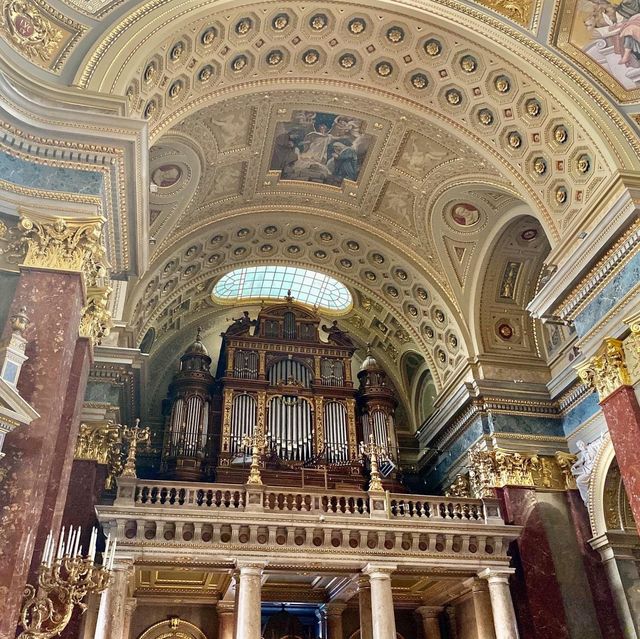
(608, 374)
(382, 613)
(430, 619)
(60, 264)
(482, 609)
(38, 457)
(364, 601)
(114, 616)
(332, 613)
(504, 617)
(249, 619)
(226, 619)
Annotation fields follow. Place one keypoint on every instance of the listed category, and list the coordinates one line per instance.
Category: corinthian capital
(607, 370)
(60, 243)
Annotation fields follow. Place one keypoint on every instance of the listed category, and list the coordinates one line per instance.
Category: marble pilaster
(364, 604)
(249, 621)
(382, 612)
(430, 620)
(504, 617)
(114, 616)
(332, 613)
(38, 458)
(482, 609)
(226, 619)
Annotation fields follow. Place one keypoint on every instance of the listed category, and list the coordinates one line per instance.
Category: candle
(60, 545)
(45, 554)
(113, 553)
(69, 541)
(78, 549)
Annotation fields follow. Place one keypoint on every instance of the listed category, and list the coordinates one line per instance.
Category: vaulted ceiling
(456, 153)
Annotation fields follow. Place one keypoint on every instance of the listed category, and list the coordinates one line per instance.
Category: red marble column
(53, 381)
(599, 584)
(622, 414)
(85, 489)
(536, 592)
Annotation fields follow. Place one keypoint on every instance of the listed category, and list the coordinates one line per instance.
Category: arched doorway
(173, 628)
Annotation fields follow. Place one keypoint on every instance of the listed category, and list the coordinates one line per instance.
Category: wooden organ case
(282, 383)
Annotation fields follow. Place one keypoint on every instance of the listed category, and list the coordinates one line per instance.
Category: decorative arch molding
(174, 628)
(609, 508)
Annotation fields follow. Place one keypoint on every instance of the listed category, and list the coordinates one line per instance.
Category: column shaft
(382, 613)
(226, 619)
(115, 612)
(482, 609)
(622, 413)
(333, 615)
(249, 620)
(504, 617)
(430, 617)
(364, 600)
(38, 457)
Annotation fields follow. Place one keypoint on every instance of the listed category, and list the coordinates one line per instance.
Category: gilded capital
(59, 243)
(101, 442)
(607, 370)
(96, 322)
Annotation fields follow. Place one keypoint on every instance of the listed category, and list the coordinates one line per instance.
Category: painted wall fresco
(320, 147)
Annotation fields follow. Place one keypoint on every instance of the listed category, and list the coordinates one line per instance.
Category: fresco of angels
(320, 147)
(609, 33)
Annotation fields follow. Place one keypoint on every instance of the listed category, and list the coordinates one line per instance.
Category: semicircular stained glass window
(273, 282)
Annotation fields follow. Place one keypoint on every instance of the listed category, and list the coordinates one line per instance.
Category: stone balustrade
(153, 517)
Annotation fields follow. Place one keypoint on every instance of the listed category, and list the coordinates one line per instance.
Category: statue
(336, 335)
(241, 325)
(583, 467)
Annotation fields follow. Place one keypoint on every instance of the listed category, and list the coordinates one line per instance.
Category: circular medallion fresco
(529, 234)
(166, 175)
(505, 331)
(464, 214)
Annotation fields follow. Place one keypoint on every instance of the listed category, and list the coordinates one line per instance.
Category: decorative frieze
(101, 442)
(490, 469)
(607, 370)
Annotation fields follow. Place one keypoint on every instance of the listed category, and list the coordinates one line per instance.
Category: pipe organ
(187, 436)
(279, 380)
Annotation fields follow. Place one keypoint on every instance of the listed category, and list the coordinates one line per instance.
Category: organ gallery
(319, 320)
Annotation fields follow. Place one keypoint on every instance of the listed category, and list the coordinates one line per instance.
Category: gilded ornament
(175, 89)
(565, 462)
(150, 109)
(439, 315)
(280, 22)
(395, 35)
(384, 69)
(459, 488)
(485, 117)
(344, 262)
(520, 11)
(274, 58)
(401, 274)
(321, 255)
(208, 36)
(453, 96)
(514, 139)
(413, 311)
(101, 442)
(419, 80)
(96, 322)
(453, 341)
(540, 166)
(177, 51)
(244, 26)
(310, 56)
(429, 332)
(371, 276)
(59, 243)
(357, 26)
(205, 73)
(30, 30)
(561, 195)
(432, 47)
(468, 64)
(583, 164)
(347, 61)
(442, 357)
(533, 107)
(502, 84)
(318, 21)
(607, 370)
(422, 294)
(560, 134)
(135, 436)
(239, 63)
(393, 291)
(352, 245)
(150, 72)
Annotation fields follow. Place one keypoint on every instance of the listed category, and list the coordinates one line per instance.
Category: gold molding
(606, 371)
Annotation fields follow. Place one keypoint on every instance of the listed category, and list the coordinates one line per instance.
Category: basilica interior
(319, 320)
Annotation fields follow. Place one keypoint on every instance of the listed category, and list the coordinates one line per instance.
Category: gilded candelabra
(373, 451)
(135, 435)
(257, 443)
(63, 583)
